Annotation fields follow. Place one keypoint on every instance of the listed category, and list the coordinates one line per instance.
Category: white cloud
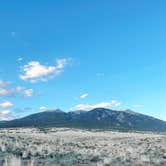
(6, 104)
(83, 96)
(20, 59)
(5, 112)
(113, 103)
(19, 89)
(24, 92)
(42, 108)
(34, 71)
(4, 92)
(6, 115)
(28, 93)
(3, 84)
(5, 89)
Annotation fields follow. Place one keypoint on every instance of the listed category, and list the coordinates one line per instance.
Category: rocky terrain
(76, 147)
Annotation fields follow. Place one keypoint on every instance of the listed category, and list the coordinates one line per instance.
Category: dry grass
(75, 147)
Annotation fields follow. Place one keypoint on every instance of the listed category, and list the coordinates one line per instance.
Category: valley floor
(76, 147)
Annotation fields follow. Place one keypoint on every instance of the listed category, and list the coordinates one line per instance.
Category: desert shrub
(43, 130)
(95, 159)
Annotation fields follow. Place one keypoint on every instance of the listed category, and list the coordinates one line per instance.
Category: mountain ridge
(101, 118)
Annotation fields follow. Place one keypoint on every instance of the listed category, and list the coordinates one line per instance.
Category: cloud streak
(83, 96)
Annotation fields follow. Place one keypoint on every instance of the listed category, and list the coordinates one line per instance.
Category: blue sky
(82, 54)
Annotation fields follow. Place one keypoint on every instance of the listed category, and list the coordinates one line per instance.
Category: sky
(82, 54)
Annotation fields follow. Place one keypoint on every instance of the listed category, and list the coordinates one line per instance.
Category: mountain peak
(96, 118)
(78, 111)
(56, 110)
(101, 109)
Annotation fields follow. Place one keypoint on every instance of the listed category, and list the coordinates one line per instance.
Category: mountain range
(98, 118)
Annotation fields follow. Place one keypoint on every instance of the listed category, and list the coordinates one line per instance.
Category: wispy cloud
(28, 93)
(19, 89)
(113, 103)
(5, 112)
(7, 90)
(83, 96)
(7, 115)
(3, 84)
(24, 92)
(4, 88)
(34, 71)
(19, 59)
(6, 104)
(4, 92)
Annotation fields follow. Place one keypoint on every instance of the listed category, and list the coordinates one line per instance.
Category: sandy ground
(75, 147)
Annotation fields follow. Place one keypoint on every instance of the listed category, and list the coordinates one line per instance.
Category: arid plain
(77, 147)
